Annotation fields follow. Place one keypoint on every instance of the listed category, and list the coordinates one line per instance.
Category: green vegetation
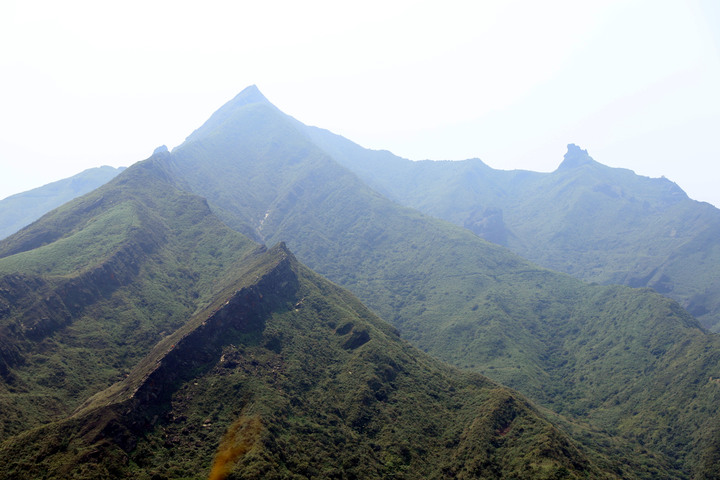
(24, 208)
(268, 383)
(79, 250)
(129, 263)
(141, 337)
(600, 224)
(458, 297)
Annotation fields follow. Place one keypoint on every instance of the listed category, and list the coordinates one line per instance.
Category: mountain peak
(249, 95)
(575, 157)
(161, 149)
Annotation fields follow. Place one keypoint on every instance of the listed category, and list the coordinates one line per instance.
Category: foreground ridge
(245, 370)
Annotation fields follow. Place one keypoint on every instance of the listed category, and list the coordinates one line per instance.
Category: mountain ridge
(98, 280)
(240, 368)
(598, 223)
(248, 96)
(462, 299)
(19, 210)
(630, 365)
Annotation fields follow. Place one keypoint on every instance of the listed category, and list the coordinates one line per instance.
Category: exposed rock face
(575, 157)
(112, 421)
(244, 312)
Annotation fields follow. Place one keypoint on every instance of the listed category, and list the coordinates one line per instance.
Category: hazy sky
(636, 83)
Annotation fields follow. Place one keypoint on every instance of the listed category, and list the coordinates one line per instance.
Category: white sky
(636, 83)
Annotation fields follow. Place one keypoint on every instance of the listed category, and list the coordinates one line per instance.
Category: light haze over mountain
(509, 82)
(20, 209)
(145, 336)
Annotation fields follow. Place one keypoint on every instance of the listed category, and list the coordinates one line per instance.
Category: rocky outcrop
(198, 345)
(110, 423)
(245, 311)
(575, 157)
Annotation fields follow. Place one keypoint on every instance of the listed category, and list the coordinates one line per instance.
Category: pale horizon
(512, 83)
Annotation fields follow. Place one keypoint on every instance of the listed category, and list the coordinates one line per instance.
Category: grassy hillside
(86, 291)
(142, 338)
(24, 208)
(285, 375)
(599, 354)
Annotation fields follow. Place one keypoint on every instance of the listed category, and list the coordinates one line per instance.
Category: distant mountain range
(600, 224)
(17, 211)
(146, 332)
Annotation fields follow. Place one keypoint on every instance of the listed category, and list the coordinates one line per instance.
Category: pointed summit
(250, 96)
(162, 149)
(575, 157)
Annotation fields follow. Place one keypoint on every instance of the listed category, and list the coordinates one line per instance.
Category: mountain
(600, 224)
(599, 354)
(142, 338)
(24, 208)
(291, 377)
(88, 289)
(140, 295)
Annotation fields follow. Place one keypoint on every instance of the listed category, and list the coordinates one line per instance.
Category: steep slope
(88, 289)
(204, 354)
(597, 223)
(600, 354)
(285, 375)
(24, 208)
